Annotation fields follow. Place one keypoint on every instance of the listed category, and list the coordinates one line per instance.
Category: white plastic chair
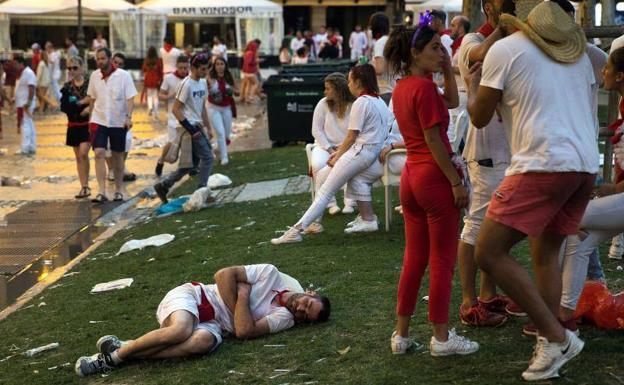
(389, 179)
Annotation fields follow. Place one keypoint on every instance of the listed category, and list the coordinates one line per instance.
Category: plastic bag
(156, 240)
(218, 180)
(200, 199)
(598, 306)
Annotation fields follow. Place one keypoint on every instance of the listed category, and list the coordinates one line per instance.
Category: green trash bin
(290, 106)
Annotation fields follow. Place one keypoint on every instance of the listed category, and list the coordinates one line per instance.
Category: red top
(456, 44)
(36, 58)
(250, 64)
(417, 107)
(152, 77)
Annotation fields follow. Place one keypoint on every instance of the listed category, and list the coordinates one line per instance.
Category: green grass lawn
(359, 274)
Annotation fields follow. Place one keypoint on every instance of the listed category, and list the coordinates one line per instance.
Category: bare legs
(82, 163)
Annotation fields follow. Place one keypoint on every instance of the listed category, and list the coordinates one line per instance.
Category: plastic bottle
(32, 352)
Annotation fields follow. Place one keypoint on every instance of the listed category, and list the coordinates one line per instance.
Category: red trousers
(431, 237)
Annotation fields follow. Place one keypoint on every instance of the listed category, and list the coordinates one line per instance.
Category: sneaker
(549, 357)
(617, 247)
(97, 363)
(333, 210)
(496, 304)
(514, 309)
(348, 210)
(455, 344)
(400, 345)
(478, 315)
(357, 219)
(108, 344)
(399, 209)
(314, 228)
(363, 226)
(531, 330)
(225, 161)
(161, 191)
(159, 168)
(292, 235)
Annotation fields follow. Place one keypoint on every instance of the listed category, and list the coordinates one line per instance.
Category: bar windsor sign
(213, 11)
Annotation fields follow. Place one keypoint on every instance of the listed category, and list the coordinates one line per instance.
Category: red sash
(205, 309)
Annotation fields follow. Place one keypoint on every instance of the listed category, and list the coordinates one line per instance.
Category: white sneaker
(617, 247)
(455, 344)
(225, 161)
(399, 209)
(348, 210)
(400, 345)
(292, 235)
(314, 228)
(357, 219)
(549, 357)
(363, 226)
(333, 210)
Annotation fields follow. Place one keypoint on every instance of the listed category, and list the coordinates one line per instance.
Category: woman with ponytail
(432, 187)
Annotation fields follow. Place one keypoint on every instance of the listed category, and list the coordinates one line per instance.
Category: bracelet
(457, 184)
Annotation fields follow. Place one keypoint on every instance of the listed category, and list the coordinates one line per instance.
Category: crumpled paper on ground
(112, 285)
(156, 240)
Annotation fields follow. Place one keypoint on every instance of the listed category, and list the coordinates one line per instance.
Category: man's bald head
(460, 25)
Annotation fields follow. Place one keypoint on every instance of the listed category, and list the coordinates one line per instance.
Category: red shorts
(534, 203)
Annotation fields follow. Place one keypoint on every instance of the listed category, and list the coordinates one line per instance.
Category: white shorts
(184, 298)
(484, 181)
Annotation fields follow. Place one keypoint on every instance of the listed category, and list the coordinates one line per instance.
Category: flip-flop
(84, 192)
(118, 197)
(100, 198)
(130, 177)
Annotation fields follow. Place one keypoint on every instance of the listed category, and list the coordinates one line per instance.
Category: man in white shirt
(54, 65)
(319, 40)
(112, 95)
(545, 91)
(357, 43)
(189, 108)
(246, 301)
(218, 49)
(297, 42)
(25, 104)
(167, 94)
(169, 55)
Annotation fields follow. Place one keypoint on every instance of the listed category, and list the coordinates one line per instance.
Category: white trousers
(221, 122)
(321, 171)
(152, 100)
(356, 160)
(29, 135)
(603, 219)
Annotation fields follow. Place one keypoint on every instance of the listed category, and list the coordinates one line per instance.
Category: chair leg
(388, 203)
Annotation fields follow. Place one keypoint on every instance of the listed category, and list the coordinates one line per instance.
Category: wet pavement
(42, 225)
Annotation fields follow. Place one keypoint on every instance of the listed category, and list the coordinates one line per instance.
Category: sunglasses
(73, 68)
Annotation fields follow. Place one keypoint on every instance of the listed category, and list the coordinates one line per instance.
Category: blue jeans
(202, 158)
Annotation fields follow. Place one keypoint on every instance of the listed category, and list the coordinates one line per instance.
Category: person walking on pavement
(54, 63)
(189, 108)
(152, 79)
(221, 105)
(357, 43)
(112, 95)
(74, 103)
(169, 55)
(25, 103)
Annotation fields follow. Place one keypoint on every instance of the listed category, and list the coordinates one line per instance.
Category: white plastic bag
(199, 200)
(218, 180)
(156, 240)
(112, 285)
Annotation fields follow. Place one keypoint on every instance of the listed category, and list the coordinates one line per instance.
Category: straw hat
(524, 7)
(552, 30)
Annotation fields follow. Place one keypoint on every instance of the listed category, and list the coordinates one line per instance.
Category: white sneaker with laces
(348, 210)
(292, 235)
(400, 345)
(549, 357)
(314, 228)
(363, 226)
(333, 210)
(357, 219)
(455, 344)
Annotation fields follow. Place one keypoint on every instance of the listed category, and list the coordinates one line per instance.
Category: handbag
(174, 149)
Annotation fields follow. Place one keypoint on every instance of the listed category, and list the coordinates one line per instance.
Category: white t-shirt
(110, 107)
(192, 94)
(545, 105)
(99, 44)
(617, 43)
(27, 78)
(385, 81)
(319, 39)
(170, 86)
(327, 128)
(489, 142)
(295, 44)
(371, 117)
(358, 41)
(598, 59)
(220, 51)
(447, 42)
(266, 281)
(54, 58)
(169, 59)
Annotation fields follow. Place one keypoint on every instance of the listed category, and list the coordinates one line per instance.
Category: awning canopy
(30, 7)
(213, 8)
(443, 5)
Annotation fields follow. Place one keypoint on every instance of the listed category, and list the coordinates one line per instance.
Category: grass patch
(359, 273)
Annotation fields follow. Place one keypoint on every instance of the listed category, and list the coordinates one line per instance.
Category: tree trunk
(608, 12)
(472, 10)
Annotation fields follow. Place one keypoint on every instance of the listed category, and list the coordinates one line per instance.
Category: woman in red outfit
(432, 191)
(152, 79)
(249, 80)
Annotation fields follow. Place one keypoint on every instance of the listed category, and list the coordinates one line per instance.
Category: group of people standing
(528, 168)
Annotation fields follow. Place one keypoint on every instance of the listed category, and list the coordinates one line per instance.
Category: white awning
(29, 7)
(442, 5)
(186, 9)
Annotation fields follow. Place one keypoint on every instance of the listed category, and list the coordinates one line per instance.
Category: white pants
(363, 182)
(321, 171)
(356, 160)
(221, 122)
(603, 219)
(55, 90)
(152, 100)
(484, 181)
(356, 53)
(29, 135)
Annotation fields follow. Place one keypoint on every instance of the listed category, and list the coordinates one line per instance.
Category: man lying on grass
(246, 301)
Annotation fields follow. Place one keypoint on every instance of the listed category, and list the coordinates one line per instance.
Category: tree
(472, 10)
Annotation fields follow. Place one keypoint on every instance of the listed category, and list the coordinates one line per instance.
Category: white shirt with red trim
(111, 95)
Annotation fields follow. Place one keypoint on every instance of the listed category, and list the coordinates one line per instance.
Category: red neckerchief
(106, 75)
(168, 47)
(278, 295)
(177, 74)
(377, 36)
(445, 32)
(456, 44)
(486, 29)
(369, 93)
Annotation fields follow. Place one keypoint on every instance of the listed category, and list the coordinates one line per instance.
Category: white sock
(115, 358)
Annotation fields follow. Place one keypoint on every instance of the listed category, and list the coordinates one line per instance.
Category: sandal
(130, 177)
(100, 198)
(118, 197)
(85, 191)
